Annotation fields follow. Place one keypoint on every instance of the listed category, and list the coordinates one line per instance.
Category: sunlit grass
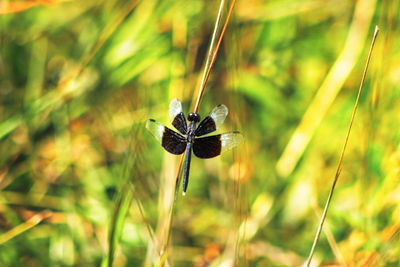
(78, 79)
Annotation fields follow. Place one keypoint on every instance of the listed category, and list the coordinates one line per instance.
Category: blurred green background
(78, 80)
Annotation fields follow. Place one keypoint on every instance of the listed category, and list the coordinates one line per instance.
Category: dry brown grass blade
(212, 55)
(339, 167)
(169, 181)
(31, 222)
(331, 239)
(329, 89)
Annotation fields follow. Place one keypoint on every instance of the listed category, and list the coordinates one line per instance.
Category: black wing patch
(213, 121)
(179, 123)
(173, 142)
(206, 126)
(207, 147)
(212, 146)
(177, 117)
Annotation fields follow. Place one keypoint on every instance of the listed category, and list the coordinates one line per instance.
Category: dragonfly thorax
(193, 116)
(191, 132)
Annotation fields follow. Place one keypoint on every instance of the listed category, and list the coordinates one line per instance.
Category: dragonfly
(193, 136)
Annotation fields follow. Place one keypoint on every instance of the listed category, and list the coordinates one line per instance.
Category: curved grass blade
(329, 89)
(121, 209)
(31, 222)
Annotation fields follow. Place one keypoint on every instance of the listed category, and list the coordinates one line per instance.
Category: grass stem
(212, 55)
(339, 167)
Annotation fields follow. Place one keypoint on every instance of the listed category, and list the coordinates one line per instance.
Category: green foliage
(78, 79)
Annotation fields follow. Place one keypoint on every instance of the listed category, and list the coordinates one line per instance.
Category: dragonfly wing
(230, 140)
(213, 121)
(170, 140)
(214, 145)
(177, 117)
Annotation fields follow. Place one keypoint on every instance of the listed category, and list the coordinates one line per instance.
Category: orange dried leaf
(14, 7)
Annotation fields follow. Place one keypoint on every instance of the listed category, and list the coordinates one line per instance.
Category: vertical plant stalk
(123, 200)
(122, 206)
(339, 167)
(212, 55)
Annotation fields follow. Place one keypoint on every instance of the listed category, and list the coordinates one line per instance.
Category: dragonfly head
(194, 117)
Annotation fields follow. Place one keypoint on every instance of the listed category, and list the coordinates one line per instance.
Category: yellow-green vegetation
(82, 183)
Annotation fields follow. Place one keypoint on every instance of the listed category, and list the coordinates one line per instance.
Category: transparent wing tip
(218, 114)
(155, 128)
(231, 140)
(175, 107)
(148, 124)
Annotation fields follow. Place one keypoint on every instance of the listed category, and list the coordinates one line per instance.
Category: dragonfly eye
(194, 117)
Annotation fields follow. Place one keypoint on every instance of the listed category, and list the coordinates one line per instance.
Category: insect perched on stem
(190, 134)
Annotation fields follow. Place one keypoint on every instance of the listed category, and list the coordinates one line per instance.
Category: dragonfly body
(190, 137)
(191, 133)
(186, 166)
